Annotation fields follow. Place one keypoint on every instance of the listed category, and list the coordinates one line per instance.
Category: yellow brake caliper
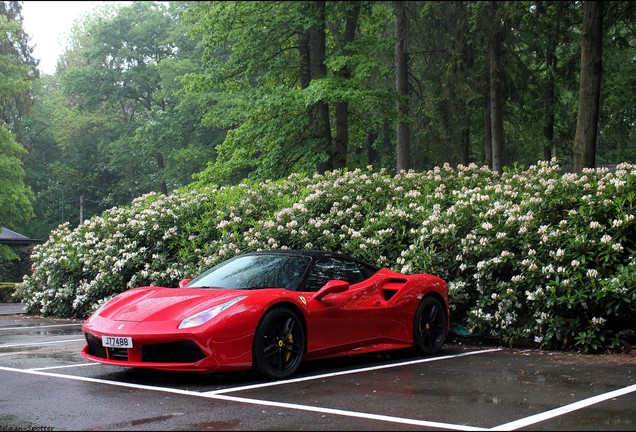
(281, 343)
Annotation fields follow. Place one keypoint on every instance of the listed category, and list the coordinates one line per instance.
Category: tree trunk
(550, 150)
(305, 64)
(589, 86)
(403, 140)
(131, 179)
(161, 171)
(342, 108)
(465, 146)
(320, 122)
(372, 153)
(487, 128)
(496, 91)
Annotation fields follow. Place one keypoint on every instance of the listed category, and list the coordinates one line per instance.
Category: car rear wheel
(430, 326)
(279, 344)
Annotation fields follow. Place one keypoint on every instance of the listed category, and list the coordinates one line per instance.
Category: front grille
(169, 352)
(95, 347)
(118, 354)
(172, 352)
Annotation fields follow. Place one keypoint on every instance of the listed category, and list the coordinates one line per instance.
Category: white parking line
(15, 353)
(41, 343)
(64, 367)
(345, 413)
(39, 327)
(347, 372)
(564, 409)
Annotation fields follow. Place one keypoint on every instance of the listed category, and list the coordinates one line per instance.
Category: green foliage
(532, 257)
(113, 130)
(253, 66)
(17, 68)
(149, 94)
(15, 197)
(6, 291)
(618, 116)
(16, 76)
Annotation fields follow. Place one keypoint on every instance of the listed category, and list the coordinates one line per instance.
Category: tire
(430, 326)
(279, 344)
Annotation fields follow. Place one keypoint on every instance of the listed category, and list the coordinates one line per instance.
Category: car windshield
(254, 272)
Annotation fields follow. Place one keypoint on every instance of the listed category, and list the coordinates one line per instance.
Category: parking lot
(47, 385)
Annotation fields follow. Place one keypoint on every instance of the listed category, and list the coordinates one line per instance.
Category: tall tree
(112, 123)
(257, 70)
(17, 72)
(320, 122)
(550, 60)
(118, 67)
(342, 107)
(15, 197)
(590, 86)
(403, 140)
(617, 133)
(286, 76)
(496, 88)
(445, 69)
(18, 67)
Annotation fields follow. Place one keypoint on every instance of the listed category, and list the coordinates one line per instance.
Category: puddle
(138, 422)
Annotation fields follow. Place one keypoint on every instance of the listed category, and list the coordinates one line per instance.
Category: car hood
(164, 304)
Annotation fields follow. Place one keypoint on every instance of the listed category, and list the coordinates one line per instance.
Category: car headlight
(206, 315)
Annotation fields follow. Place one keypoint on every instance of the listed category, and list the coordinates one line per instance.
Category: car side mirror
(184, 282)
(332, 287)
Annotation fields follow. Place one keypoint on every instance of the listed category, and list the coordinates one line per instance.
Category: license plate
(117, 342)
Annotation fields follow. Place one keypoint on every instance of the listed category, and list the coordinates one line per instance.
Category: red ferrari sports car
(269, 311)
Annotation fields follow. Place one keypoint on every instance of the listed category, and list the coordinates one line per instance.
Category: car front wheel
(279, 344)
(429, 326)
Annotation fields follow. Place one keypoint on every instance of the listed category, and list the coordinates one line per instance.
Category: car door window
(330, 268)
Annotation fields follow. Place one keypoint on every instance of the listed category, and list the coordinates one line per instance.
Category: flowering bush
(532, 257)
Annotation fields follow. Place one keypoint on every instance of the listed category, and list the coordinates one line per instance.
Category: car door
(346, 319)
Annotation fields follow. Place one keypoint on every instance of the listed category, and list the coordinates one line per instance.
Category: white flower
(598, 321)
(616, 223)
(547, 269)
(592, 273)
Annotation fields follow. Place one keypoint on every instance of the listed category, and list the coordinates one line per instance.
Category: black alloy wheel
(279, 344)
(430, 326)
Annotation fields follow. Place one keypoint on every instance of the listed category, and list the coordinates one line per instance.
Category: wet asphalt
(47, 385)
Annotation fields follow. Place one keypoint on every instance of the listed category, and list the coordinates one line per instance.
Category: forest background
(149, 95)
